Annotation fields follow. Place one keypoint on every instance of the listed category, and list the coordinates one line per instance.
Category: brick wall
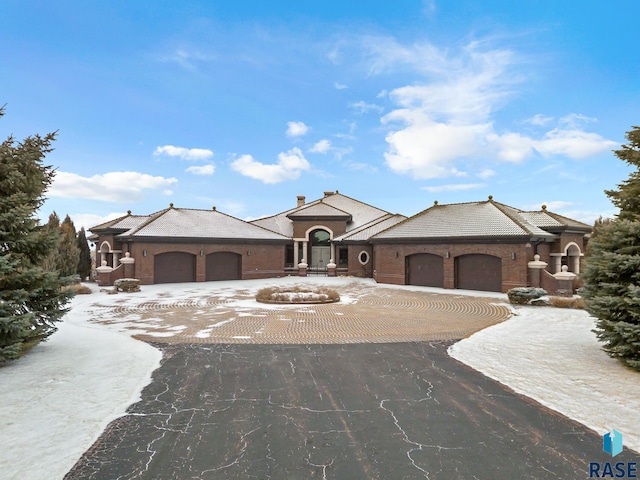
(390, 268)
(264, 261)
(300, 227)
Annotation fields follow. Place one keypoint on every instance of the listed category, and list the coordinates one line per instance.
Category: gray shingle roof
(472, 220)
(546, 219)
(122, 223)
(210, 224)
(319, 209)
(363, 233)
(361, 214)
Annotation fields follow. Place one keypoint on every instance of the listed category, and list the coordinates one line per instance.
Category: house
(478, 245)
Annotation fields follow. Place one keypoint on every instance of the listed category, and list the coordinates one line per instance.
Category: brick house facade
(477, 245)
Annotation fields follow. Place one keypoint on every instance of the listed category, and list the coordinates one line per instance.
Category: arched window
(320, 238)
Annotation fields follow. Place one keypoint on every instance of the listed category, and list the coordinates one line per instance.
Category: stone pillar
(557, 263)
(535, 270)
(302, 268)
(128, 265)
(296, 251)
(305, 253)
(333, 254)
(104, 274)
(565, 282)
(331, 268)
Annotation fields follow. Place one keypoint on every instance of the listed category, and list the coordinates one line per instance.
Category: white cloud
(201, 170)
(364, 107)
(323, 146)
(539, 119)
(450, 115)
(296, 129)
(340, 86)
(123, 187)
(457, 187)
(573, 144)
(187, 60)
(289, 167)
(486, 173)
(184, 153)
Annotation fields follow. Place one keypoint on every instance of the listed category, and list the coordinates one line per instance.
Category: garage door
(479, 272)
(425, 269)
(173, 267)
(224, 266)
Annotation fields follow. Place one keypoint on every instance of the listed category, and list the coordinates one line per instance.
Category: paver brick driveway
(367, 315)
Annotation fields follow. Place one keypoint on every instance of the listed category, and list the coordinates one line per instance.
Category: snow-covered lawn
(58, 399)
(551, 355)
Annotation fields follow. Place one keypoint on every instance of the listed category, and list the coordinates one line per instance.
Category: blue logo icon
(612, 442)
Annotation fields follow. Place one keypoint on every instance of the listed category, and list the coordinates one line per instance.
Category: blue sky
(246, 104)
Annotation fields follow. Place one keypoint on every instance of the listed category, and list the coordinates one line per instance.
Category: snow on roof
(188, 223)
(473, 219)
(366, 231)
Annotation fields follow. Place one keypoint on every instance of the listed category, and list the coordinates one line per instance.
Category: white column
(305, 253)
(576, 265)
(557, 264)
(295, 252)
(333, 252)
(115, 259)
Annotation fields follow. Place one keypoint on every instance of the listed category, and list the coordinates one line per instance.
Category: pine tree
(52, 227)
(69, 254)
(31, 298)
(612, 273)
(84, 256)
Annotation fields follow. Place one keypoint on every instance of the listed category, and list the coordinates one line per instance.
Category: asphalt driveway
(357, 411)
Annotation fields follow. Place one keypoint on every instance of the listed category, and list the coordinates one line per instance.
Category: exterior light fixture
(201, 253)
(447, 255)
(513, 255)
(144, 253)
(248, 253)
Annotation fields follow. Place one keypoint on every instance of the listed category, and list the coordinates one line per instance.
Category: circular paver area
(365, 315)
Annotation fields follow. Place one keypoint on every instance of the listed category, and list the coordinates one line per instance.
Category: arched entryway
(320, 253)
(478, 272)
(223, 266)
(174, 267)
(425, 269)
(106, 255)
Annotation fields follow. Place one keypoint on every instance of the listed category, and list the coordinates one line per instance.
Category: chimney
(328, 194)
(301, 199)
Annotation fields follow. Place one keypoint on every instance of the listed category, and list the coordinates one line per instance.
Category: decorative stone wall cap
(564, 274)
(303, 264)
(331, 265)
(537, 263)
(104, 269)
(127, 259)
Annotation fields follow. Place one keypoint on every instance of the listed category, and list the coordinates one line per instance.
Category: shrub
(524, 295)
(295, 295)
(79, 289)
(127, 285)
(567, 302)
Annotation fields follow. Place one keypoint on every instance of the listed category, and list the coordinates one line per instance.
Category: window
(343, 257)
(320, 238)
(363, 257)
(288, 256)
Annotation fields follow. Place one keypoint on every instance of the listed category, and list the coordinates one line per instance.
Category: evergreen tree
(627, 197)
(84, 257)
(612, 273)
(31, 298)
(69, 254)
(52, 227)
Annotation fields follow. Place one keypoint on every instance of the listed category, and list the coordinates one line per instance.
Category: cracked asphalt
(362, 389)
(356, 411)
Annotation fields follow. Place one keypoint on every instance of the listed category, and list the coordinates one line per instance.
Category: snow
(56, 401)
(551, 355)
